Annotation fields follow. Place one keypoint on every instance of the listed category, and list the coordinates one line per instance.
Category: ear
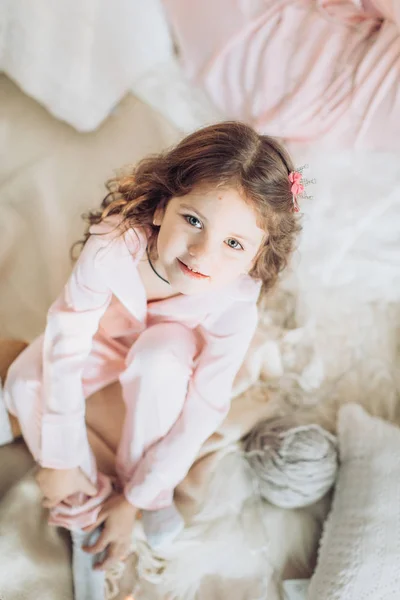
(159, 214)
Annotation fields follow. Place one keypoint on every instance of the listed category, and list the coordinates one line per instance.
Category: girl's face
(206, 240)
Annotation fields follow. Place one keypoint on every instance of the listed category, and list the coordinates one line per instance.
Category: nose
(198, 248)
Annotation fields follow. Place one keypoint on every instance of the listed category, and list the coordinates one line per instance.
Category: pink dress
(303, 70)
(176, 360)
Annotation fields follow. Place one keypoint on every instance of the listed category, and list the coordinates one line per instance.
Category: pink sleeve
(72, 321)
(384, 9)
(208, 400)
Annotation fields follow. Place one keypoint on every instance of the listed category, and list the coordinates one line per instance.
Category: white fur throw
(359, 556)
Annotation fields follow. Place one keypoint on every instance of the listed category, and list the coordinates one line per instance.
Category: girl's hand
(119, 516)
(58, 484)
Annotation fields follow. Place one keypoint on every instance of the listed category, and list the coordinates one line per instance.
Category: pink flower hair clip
(298, 186)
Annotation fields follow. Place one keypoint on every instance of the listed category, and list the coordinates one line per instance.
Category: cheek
(171, 238)
(232, 267)
(251, 263)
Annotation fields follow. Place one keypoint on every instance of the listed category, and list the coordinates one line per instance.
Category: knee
(9, 351)
(165, 346)
(23, 376)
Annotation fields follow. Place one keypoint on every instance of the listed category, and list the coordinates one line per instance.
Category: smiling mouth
(190, 271)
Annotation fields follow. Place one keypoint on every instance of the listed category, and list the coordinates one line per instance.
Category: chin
(189, 288)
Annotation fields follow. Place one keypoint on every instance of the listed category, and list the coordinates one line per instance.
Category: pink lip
(184, 268)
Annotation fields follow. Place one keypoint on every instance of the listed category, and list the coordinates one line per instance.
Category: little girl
(163, 300)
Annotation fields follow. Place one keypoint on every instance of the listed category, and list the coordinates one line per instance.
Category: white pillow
(359, 555)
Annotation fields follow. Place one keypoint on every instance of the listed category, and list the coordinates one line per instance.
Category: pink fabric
(82, 511)
(302, 70)
(176, 360)
(384, 9)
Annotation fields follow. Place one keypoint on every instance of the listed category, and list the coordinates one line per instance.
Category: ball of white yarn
(294, 465)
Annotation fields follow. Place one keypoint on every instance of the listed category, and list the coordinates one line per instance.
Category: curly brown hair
(228, 154)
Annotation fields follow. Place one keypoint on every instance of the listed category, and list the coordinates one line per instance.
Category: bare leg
(105, 458)
(105, 414)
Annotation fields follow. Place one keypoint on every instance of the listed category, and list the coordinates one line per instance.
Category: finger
(122, 551)
(108, 503)
(91, 528)
(98, 522)
(47, 503)
(114, 554)
(101, 517)
(42, 486)
(98, 546)
(87, 487)
(125, 554)
(105, 564)
(45, 490)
